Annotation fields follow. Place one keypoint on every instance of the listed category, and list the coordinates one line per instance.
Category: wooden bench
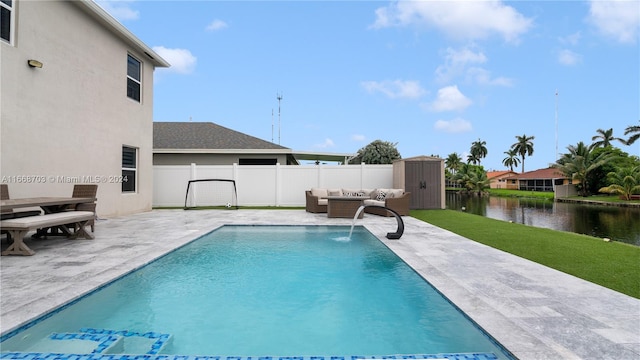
(18, 228)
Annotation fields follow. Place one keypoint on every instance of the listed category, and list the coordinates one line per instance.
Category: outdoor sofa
(395, 199)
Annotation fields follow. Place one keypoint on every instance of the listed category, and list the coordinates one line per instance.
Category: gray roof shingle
(204, 135)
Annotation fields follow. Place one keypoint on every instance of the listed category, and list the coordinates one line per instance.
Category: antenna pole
(279, 97)
(272, 125)
(556, 124)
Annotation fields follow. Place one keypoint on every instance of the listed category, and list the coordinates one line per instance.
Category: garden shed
(423, 177)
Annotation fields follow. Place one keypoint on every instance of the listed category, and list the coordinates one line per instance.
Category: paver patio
(534, 311)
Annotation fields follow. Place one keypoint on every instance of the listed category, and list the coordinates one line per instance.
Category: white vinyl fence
(266, 185)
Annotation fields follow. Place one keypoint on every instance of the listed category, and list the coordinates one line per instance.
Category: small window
(134, 80)
(6, 19)
(129, 168)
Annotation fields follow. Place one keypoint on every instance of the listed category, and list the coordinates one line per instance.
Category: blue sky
(431, 76)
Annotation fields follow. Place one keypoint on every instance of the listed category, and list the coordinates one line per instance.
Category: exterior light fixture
(34, 63)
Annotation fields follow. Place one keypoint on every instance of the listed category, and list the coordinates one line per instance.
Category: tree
(604, 138)
(511, 160)
(579, 162)
(473, 159)
(625, 182)
(473, 178)
(634, 131)
(377, 152)
(478, 151)
(453, 162)
(523, 147)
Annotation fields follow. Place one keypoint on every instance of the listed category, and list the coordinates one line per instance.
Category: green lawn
(522, 194)
(611, 264)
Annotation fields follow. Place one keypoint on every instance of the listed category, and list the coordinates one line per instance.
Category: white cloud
(572, 39)
(463, 20)
(217, 25)
(326, 144)
(456, 61)
(395, 89)
(450, 99)
(617, 19)
(119, 9)
(456, 125)
(483, 77)
(181, 60)
(358, 137)
(568, 57)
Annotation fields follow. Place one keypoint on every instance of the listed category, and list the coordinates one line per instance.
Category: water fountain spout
(391, 235)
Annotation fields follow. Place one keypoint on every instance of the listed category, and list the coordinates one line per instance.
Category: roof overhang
(103, 17)
(323, 157)
(342, 158)
(222, 151)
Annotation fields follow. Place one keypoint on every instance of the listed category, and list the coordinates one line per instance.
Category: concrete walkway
(534, 311)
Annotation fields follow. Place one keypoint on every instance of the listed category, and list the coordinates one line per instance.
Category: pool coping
(534, 311)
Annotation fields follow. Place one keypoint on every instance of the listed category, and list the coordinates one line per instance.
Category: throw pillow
(381, 195)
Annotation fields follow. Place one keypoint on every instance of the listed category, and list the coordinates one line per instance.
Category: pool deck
(534, 311)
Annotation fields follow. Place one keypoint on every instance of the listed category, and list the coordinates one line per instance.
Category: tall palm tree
(511, 160)
(453, 162)
(479, 150)
(604, 138)
(523, 147)
(473, 159)
(579, 162)
(634, 130)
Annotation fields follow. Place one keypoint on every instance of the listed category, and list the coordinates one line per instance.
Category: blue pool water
(263, 290)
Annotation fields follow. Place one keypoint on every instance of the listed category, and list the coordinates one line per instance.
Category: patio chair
(79, 191)
(85, 190)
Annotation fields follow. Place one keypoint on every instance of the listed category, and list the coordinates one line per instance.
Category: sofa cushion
(396, 193)
(321, 193)
(335, 192)
(323, 201)
(373, 202)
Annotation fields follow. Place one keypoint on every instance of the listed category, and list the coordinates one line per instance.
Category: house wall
(264, 185)
(211, 159)
(68, 120)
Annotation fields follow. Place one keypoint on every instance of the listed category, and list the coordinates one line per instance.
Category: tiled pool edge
(57, 356)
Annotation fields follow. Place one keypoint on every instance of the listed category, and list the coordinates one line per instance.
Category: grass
(604, 198)
(522, 194)
(611, 264)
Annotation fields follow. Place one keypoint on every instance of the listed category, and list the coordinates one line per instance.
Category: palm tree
(523, 147)
(473, 178)
(453, 162)
(579, 162)
(624, 181)
(511, 160)
(634, 130)
(479, 150)
(473, 159)
(605, 138)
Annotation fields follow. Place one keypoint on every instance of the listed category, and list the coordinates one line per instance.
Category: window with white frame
(134, 80)
(6, 20)
(129, 168)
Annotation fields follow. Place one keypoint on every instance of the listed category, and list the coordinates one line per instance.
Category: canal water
(613, 222)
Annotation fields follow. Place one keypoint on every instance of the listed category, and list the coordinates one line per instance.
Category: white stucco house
(76, 104)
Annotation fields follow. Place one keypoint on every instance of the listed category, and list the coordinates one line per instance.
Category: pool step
(105, 341)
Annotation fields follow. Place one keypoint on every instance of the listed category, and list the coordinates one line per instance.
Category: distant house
(502, 179)
(76, 105)
(207, 143)
(542, 180)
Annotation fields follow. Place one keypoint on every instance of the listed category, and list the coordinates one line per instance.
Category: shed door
(422, 179)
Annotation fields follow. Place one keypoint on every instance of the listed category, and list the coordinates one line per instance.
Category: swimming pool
(263, 290)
